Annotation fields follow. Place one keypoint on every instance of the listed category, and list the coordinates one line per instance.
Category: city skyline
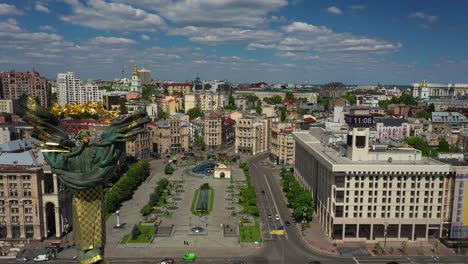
(396, 42)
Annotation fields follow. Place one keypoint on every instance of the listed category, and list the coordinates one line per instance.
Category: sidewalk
(317, 239)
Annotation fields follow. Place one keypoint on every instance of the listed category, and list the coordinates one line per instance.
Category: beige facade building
(213, 131)
(189, 102)
(179, 88)
(208, 101)
(171, 135)
(13, 84)
(33, 205)
(140, 147)
(282, 143)
(221, 171)
(6, 106)
(370, 193)
(252, 135)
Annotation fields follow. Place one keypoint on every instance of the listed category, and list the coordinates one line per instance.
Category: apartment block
(282, 144)
(13, 84)
(171, 135)
(213, 131)
(252, 135)
(33, 204)
(209, 101)
(6, 106)
(366, 192)
(140, 147)
(179, 88)
(72, 91)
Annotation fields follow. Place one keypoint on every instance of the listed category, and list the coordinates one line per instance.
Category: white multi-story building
(252, 135)
(371, 193)
(136, 82)
(208, 101)
(6, 106)
(72, 91)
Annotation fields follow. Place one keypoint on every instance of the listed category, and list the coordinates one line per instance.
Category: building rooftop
(333, 155)
(19, 145)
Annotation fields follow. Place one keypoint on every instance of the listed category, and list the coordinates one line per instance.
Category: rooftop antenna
(123, 71)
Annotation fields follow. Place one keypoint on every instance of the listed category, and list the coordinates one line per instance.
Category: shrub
(146, 210)
(135, 232)
(169, 170)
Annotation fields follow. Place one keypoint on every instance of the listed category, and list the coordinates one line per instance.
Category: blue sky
(301, 41)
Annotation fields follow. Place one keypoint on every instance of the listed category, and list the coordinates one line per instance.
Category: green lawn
(250, 234)
(210, 204)
(147, 233)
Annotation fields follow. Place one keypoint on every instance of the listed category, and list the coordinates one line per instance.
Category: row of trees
(248, 197)
(125, 186)
(155, 196)
(420, 144)
(299, 198)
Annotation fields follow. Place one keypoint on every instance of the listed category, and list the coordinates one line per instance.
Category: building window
(27, 194)
(11, 177)
(26, 186)
(28, 210)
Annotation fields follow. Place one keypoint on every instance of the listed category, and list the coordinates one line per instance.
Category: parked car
(190, 256)
(167, 261)
(40, 258)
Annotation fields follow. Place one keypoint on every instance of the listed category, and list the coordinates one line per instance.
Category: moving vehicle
(167, 261)
(314, 262)
(263, 191)
(277, 217)
(40, 258)
(190, 256)
(288, 223)
(269, 216)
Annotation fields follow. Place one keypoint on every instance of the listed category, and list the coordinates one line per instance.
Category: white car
(277, 217)
(42, 257)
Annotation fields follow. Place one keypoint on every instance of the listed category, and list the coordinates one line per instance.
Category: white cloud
(145, 37)
(112, 41)
(102, 15)
(47, 28)
(9, 10)
(304, 37)
(334, 10)
(424, 16)
(213, 36)
(254, 46)
(304, 27)
(41, 8)
(226, 13)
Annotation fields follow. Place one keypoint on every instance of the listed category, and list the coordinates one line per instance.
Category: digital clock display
(359, 120)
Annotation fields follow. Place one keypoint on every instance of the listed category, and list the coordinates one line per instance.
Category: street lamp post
(118, 218)
(385, 235)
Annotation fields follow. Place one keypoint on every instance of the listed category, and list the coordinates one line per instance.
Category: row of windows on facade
(388, 214)
(385, 200)
(403, 185)
(14, 193)
(14, 177)
(15, 186)
(15, 210)
(16, 231)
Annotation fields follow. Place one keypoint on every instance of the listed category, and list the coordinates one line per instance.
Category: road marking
(357, 262)
(274, 202)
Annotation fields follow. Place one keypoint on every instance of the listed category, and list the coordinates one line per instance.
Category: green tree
(199, 142)
(323, 101)
(168, 169)
(154, 198)
(283, 113)
(444, 146)
(423, 114)
(166, 91)
(404, 247)
(195, 112)
(147, 92)
(289, 96)
(351, 98)
(430, 108)
(258, 107)
(378, 249)
(135, 232)
(162, 115)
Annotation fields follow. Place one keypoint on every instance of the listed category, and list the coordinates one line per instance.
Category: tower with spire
(424, 90)
(136, 82)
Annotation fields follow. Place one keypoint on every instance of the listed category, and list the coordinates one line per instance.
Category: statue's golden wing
(47, 127)
(124, 129)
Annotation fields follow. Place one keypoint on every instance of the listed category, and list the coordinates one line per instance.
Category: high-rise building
(282, 143)
(366, 192)
(13, 84)
(145, 76)
(72, 91)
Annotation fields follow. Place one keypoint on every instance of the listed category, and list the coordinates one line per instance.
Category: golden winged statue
(83, 166)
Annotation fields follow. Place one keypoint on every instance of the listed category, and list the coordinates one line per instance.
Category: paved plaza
(213, 242)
